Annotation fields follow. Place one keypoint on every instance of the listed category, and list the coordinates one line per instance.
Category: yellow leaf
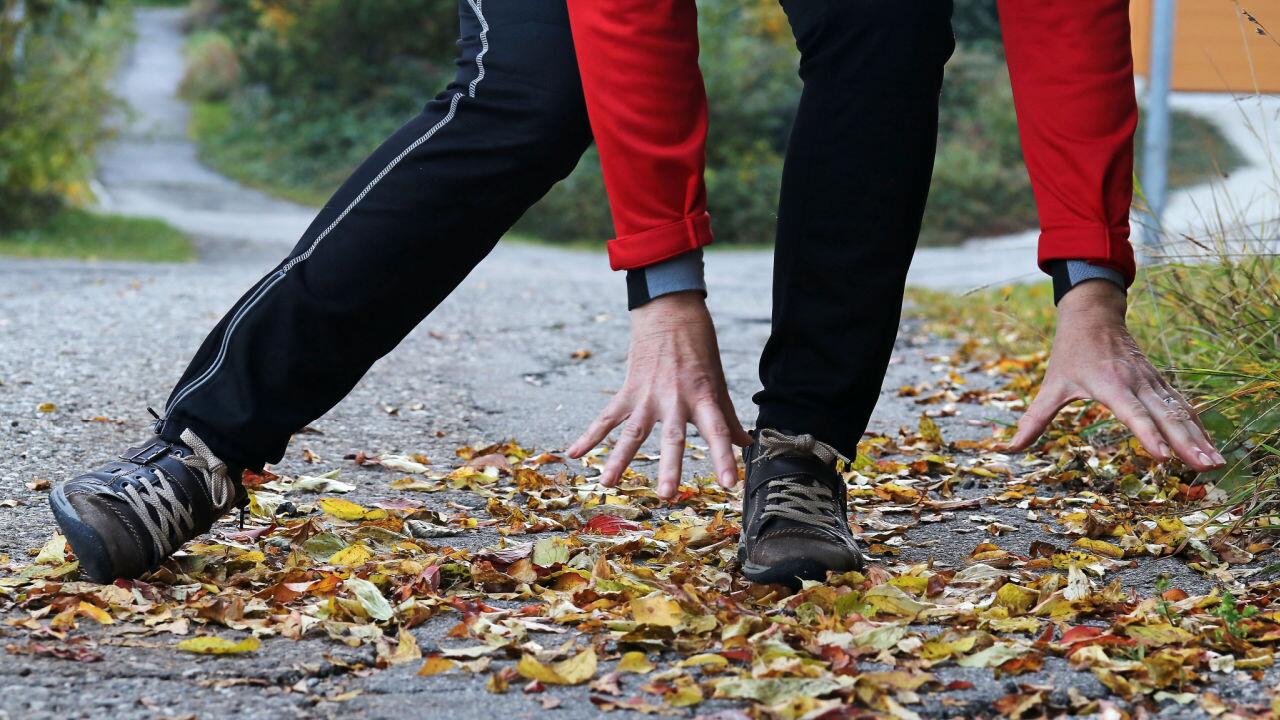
(929, 430)
(940, 648)
(90, 610)
(891, 600)
(46, 407)
(406, 650)
(911, 583)
(574, 671)
(718, 661)
(251, 556)
(1158, 634)
(343, 509)
(1016, 598)
(54, 551)
(687, 694)
(1101, 547)
(434, 665)
(657, 609)
(351, 556)
(210, 645)
(635, 662)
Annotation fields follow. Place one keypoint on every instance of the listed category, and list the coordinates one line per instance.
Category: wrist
(1096, 300)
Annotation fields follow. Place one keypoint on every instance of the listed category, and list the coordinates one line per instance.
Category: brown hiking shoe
(794, 511)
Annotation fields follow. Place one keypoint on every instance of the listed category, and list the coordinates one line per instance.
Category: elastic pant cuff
(227, 451)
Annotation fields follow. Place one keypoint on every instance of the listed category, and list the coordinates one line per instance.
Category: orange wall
(1215, 47)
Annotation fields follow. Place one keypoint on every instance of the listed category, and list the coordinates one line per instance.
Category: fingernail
(728, 478)
(1218, 456)
(1205, 459)
(1166, 451)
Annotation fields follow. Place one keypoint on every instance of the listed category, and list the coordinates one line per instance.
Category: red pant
(1072, 72)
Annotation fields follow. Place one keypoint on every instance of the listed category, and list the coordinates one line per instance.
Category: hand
(1095, 357)
(673, 377)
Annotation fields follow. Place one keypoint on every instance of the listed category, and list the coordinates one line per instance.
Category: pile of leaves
(663, 621)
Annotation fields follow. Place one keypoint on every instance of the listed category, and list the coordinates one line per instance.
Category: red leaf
(1079, 634)
(610, 525)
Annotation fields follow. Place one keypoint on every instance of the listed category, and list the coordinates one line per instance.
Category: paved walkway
(152, 169)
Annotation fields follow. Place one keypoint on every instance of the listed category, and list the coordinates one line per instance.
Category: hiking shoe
(128, 516)
(794, 512)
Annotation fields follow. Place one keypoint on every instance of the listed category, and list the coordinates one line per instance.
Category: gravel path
(103, 341)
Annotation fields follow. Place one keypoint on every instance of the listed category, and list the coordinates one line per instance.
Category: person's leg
(853, 193)
(396, 239)
(391, 244)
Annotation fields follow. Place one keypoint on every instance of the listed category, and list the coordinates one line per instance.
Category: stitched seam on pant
(477, 8)
(226, 339)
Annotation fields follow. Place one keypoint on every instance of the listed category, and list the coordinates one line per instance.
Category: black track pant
(853, 191)
(435, 198)
(396, 238)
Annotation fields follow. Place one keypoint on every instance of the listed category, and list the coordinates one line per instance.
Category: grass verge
(250, 156)
(85, 235)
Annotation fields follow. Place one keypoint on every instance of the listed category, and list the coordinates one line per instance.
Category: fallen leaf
(574, 671)
(211, 645)
(370, 598)
(635, 662)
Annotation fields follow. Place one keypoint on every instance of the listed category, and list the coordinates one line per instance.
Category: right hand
(674, 377)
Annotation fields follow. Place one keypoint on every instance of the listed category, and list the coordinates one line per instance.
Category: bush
(55, 64)
(335, 50)
(213, 69)
(979, 186)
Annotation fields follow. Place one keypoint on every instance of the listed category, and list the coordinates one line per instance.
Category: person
(435, 198)
(854, 185)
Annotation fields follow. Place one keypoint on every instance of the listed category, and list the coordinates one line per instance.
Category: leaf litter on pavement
(639, 601)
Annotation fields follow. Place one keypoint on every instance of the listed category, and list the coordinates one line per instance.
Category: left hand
(674, 377)
(1095, 357)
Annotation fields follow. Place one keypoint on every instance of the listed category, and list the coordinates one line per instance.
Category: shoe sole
(88, 546)
(792, 574)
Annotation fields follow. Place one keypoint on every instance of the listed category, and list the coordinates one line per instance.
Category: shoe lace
(800, 498)
(173, 518)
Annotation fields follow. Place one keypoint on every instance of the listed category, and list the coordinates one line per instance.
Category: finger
(737, 435)
(630, 438)
(608, 419)
(1173, 419)
(1166, 390)
(1043, 409)
(672, 460)
(1130, 410)
(714, 428)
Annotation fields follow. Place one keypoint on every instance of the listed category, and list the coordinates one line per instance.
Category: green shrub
(979, 186)
(336, 50)
(55, 64)
(213, 69)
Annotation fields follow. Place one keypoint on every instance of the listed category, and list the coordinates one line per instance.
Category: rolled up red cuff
(660, 243)
(1108, 247)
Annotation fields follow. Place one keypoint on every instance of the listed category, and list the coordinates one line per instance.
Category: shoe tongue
(805, 480)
